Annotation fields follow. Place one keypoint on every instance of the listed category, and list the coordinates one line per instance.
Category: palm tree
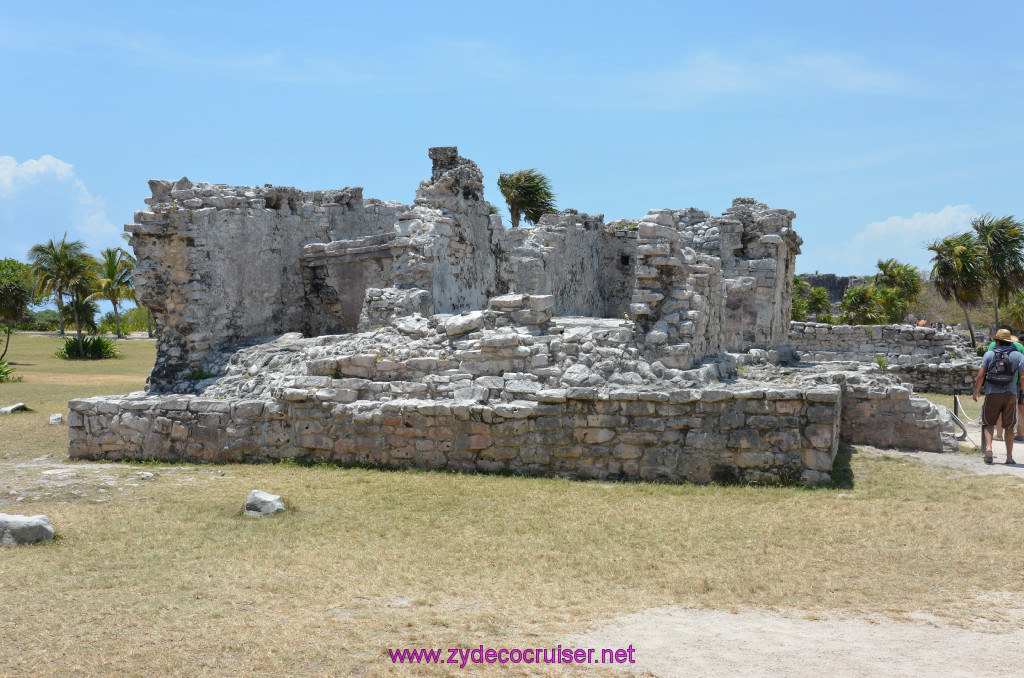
(52, 264)
(862, 306)
(528, 193)
(818, 301)
(114, 283)
(81, 279)
(959, 272)
(1003, 242)
(901, 277)
(892, 302)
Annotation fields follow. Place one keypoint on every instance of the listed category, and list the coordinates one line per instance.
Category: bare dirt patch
(673, 642)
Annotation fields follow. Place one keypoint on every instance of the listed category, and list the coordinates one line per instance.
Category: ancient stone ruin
(326, 326)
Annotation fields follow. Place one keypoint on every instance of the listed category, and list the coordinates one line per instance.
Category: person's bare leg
(986, 443)
(1009, 446)
(999, 427)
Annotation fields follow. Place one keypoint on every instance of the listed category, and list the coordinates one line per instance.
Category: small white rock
(262, 503)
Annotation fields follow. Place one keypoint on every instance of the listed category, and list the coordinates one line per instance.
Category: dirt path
(680, 643)
(674, 642)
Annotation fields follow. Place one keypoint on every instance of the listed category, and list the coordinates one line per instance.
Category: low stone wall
(893, 417)
(750, 435)
(952, 378)
(898, 344)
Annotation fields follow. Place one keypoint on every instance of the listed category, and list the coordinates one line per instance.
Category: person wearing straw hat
(998, 373)
(1020, 395)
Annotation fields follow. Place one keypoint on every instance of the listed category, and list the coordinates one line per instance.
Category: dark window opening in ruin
(273, 202)
(624, 260)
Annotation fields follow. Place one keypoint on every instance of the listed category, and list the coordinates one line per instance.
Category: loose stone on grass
(262, 503)
(16, 530)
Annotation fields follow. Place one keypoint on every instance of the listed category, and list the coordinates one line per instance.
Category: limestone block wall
(951, 378)
(224, 266)
(745, 436)
(618, 265)
(898, 344)
(462, 257)
(677, 300)
(219, 265)
(758, 248)
(587, 267)
(893, 417)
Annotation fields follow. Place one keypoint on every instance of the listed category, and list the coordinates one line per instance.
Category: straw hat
(1004, 335)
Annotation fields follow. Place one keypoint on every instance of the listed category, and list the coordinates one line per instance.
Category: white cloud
(15, 177)
(902, 238)
(43, 198)
(708, 74)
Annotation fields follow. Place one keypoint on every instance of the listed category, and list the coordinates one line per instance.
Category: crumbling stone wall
(222, 266)
(955, 377)
(427, 335)
(748, 435)
(758, 248)
(898, 344)
(219, 266)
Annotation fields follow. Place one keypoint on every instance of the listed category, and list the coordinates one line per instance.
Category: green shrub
(95, 348)
(7, 372)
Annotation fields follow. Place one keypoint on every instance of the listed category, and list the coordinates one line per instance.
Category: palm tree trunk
(995, 310)
(970, 327)
(78, 328)
(60, 312)
(8, 341)
(117, 319)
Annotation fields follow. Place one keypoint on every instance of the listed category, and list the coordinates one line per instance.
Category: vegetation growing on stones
(528, 194)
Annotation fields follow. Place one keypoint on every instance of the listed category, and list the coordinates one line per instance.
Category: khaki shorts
(997, 404)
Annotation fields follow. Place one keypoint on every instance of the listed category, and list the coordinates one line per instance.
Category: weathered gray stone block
(262, 503)
(16, 530)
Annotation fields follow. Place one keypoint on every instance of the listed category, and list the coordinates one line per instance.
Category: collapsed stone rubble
(325, 326)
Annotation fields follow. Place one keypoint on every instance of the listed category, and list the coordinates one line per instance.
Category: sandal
(988, 456)
(1011, 461)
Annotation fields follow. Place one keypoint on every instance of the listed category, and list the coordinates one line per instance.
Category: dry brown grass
(170, 579)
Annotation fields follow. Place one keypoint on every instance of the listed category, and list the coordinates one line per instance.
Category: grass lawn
(168, 578)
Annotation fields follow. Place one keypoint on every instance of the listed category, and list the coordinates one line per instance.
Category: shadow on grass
(842, 473)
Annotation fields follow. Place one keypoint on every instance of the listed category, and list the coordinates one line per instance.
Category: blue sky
(882, 125)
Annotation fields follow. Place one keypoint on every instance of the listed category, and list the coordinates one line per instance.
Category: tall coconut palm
(959, 273)
(1003, 242)
(81, 280)
(56, 265)
(114, 280)
(528, 193)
